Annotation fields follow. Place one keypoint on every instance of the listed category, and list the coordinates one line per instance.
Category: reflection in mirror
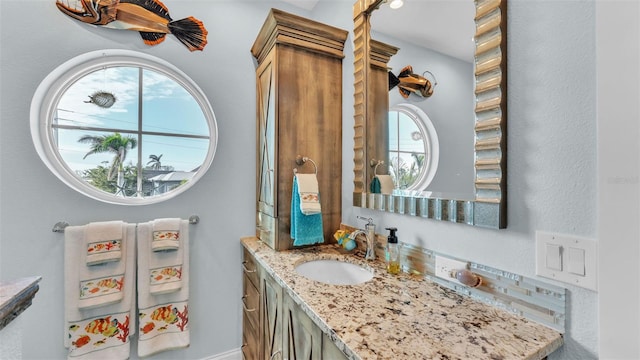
(424, 56)
(414, 150)
(466, 109)
(127, 132)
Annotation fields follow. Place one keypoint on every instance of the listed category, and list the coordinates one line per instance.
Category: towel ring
(374, 164)
(301, 160)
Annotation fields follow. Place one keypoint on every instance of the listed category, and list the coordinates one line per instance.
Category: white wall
(618, 44)
(552, 159)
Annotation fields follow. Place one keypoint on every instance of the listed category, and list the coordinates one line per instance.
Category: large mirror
(430, 109)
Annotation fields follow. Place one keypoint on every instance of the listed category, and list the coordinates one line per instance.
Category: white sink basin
(334, 272)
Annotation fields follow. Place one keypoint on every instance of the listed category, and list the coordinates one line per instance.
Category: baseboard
(235, 354)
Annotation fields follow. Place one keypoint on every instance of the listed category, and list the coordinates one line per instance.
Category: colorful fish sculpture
(149, 17)
(409, 83)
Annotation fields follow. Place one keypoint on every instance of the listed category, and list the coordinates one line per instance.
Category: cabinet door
(303, 339)
(330, 351)
(266, 151)
(272, 318)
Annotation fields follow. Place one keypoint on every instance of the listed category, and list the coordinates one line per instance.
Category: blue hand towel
(374, 187)
(305, 229)
(382, 184)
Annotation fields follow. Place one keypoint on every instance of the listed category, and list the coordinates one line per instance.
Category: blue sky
(167, 108)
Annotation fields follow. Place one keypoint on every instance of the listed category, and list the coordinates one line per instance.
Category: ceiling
(443, 25)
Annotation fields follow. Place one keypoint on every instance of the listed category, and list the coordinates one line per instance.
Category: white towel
(309, 194)
(99, 331)
(101, 283)
(104, 242)
(166, 234)
(163, 317)
(386, 184)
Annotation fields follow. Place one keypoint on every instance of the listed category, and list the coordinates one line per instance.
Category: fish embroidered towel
(163, 316)
(166, 234)
(308, 193)
(104, 242)
(100, 284)
(165, 266)
(103, 331)
(305, 229)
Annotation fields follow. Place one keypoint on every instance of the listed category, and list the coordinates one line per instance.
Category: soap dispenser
(392, 252)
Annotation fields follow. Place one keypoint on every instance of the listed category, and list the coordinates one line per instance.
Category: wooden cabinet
(298, 112)
(251, 344)
(330, 351)
(303, 340)
(277, 328)
(272, 318)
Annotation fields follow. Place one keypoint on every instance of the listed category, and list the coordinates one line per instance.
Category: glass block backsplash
(530, 298)
(524, 296)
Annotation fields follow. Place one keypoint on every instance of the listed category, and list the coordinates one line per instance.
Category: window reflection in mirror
(413, 148)
(440, 49)
(128, 132)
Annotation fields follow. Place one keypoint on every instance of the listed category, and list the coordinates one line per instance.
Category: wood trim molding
(284, 28)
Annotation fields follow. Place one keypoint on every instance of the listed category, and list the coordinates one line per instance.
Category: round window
(414, 150)
(123, 127)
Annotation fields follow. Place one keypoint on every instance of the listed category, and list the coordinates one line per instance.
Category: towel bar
(301, 160)
(61, 225)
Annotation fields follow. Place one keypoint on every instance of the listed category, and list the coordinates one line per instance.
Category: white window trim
(432, 145)
(47, 96)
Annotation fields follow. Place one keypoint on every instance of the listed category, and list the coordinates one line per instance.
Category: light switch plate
(574, 268)
(553, 253)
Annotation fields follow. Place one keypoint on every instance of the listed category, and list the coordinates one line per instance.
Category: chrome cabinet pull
(244, 305)
(244, 267)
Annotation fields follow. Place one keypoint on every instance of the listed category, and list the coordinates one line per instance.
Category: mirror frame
(489, 206)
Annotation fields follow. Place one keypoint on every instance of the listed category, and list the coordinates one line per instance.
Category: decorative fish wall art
(409, 83)
(149, 17)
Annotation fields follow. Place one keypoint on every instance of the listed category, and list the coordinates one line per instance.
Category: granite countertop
(402, 316)
(15, 297)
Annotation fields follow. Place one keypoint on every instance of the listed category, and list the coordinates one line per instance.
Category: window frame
(45, 102)
(431, 144)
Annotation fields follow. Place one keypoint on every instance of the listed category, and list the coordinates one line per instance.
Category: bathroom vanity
(274, 325)
(288, 316)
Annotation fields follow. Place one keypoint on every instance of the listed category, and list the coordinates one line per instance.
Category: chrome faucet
(370, 235)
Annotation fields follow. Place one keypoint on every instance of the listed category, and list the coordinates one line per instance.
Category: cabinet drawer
(250, 302)
(250, 340)
(249, 267)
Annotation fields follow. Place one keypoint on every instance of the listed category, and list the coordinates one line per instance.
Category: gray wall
(552, 160)
(33, 199)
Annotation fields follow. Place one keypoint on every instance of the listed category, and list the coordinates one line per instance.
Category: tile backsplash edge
(528, 297)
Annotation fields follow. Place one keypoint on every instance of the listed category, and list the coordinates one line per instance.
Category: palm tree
(155, 161)
(112, 143)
